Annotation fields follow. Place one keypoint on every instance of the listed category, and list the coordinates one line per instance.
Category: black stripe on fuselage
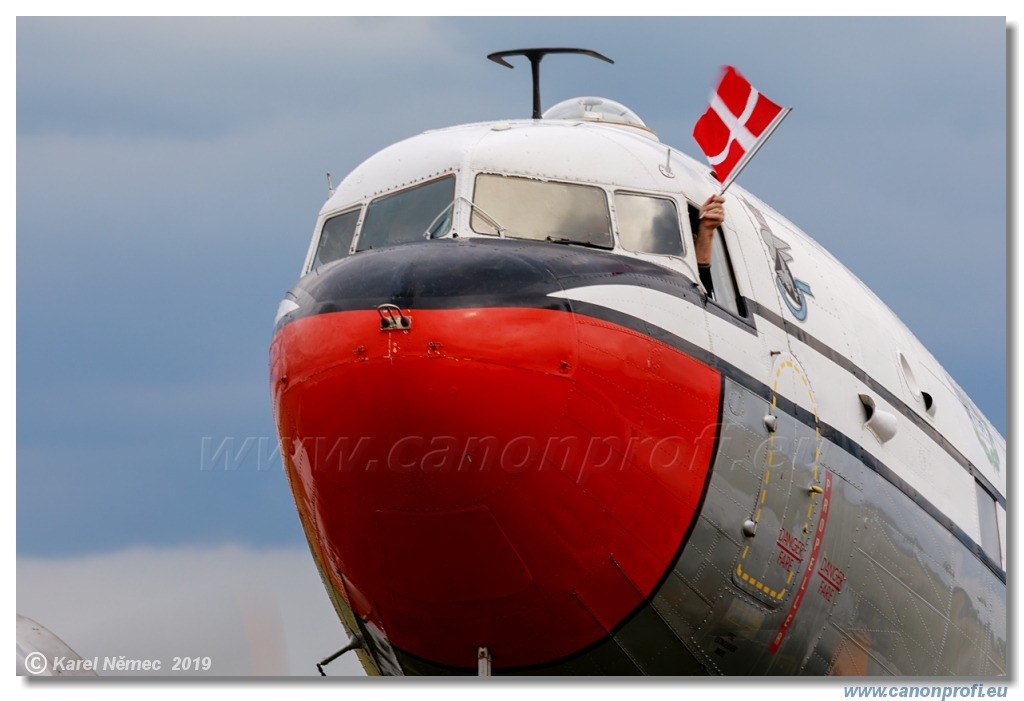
(448, 274)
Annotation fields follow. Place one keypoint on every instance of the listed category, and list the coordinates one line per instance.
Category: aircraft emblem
(794, 292)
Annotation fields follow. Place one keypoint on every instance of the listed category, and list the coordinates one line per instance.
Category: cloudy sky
(168, 175)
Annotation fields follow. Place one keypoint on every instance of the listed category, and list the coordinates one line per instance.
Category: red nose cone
(510, 477)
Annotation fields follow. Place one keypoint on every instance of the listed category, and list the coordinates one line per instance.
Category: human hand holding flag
(736, 124)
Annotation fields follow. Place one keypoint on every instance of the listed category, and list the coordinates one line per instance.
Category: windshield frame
(561, 211)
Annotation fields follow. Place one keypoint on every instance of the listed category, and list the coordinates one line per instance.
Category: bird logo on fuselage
(793, 292)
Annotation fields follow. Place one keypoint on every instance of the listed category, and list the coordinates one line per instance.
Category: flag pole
(757, 147)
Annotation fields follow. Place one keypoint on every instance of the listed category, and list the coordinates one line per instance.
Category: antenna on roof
(535, 55)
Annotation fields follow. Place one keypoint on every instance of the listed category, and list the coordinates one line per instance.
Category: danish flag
(736, 125)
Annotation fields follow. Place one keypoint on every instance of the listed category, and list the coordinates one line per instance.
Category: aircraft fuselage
(513, 419)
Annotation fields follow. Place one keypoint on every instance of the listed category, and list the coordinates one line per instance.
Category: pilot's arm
(712, 214)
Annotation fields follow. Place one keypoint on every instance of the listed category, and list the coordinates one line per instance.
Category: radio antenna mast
(535, 55)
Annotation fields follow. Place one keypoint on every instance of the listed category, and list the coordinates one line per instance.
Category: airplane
(40, 653)
(523, 438)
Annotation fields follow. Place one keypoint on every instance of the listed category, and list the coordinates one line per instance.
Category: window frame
(409, 187)
(660, 196)
(722, 267)
(990, 538)
(313, 265)
(490, 218)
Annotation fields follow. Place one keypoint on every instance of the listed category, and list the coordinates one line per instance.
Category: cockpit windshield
(541, 210)
(336, 238)
(405, 216)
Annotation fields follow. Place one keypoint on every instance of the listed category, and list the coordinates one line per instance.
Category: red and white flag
(738, 122)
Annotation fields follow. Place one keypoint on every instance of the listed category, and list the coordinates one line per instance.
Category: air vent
(881, 423)
(924, 399)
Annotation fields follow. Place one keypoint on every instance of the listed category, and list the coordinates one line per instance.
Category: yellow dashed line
(760, 586)
(791, 365)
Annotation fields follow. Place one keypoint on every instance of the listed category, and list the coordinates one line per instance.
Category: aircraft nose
(480, 464)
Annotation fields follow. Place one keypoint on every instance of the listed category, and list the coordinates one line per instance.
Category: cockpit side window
(726, 293)
(405, 216)
(648, 224)
(541, 210)
(336, 238)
